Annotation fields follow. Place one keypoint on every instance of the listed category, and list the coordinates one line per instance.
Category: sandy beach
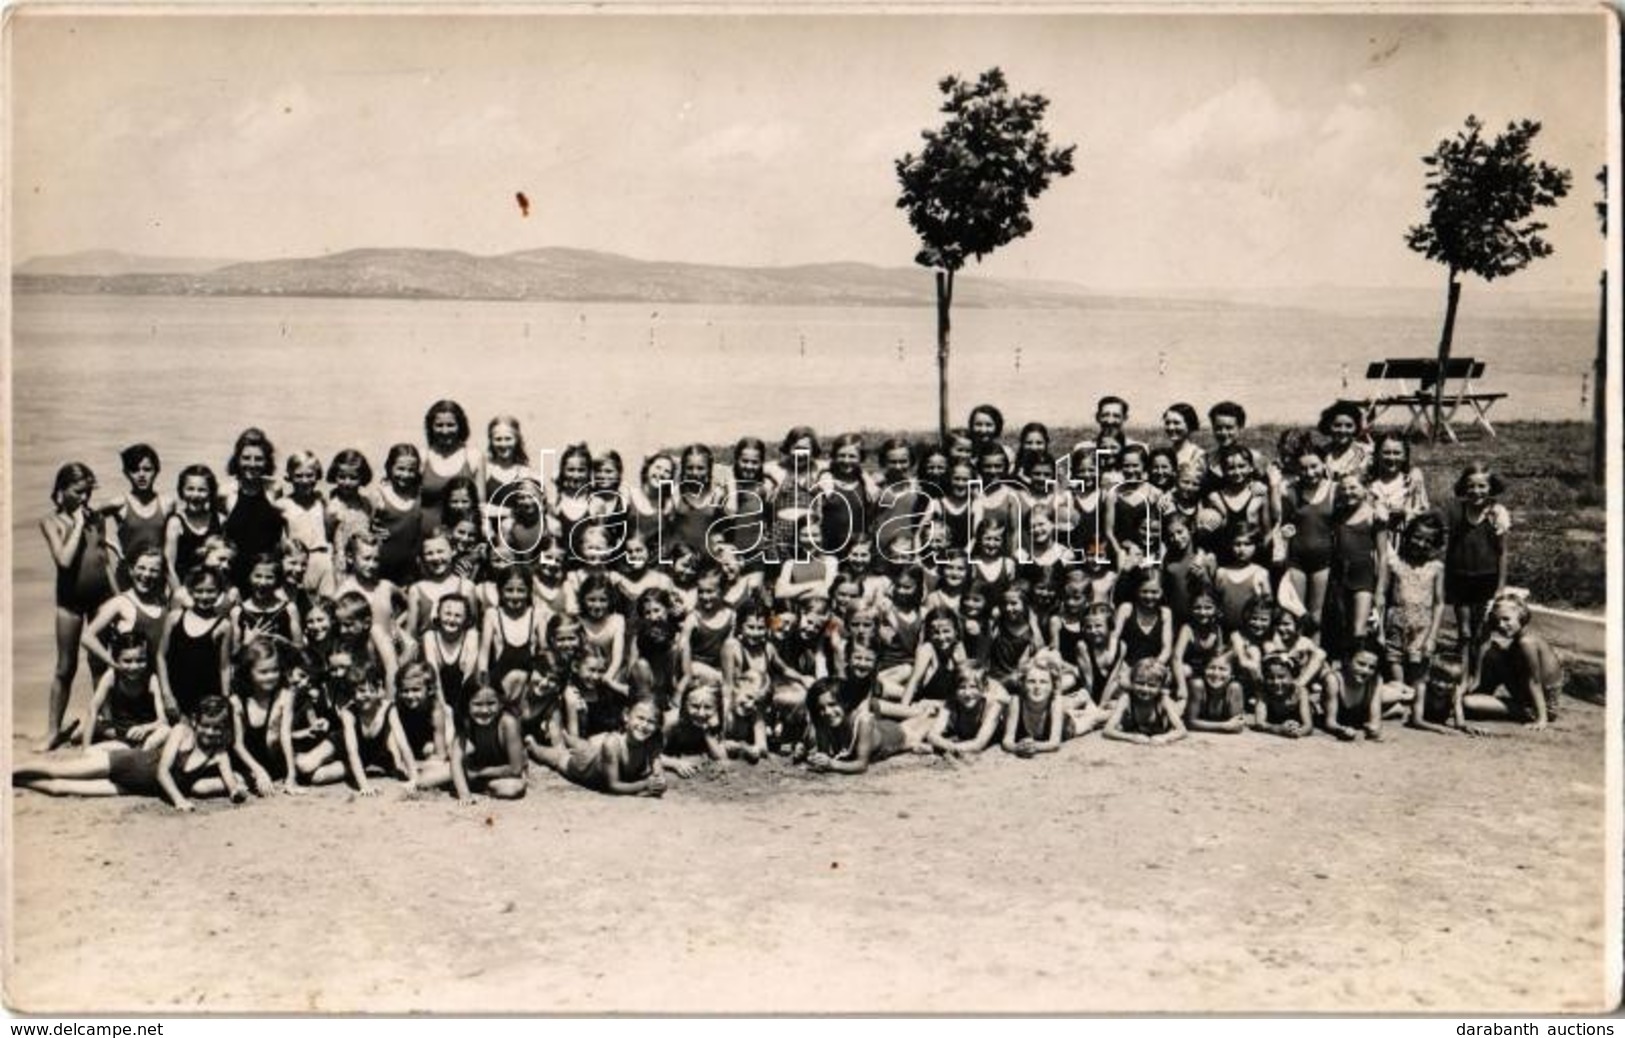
(1419, 874)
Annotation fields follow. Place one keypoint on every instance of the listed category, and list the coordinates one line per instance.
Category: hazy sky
(1213, 151)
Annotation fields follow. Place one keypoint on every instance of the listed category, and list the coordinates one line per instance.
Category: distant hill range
(582, 275)
(552, 274)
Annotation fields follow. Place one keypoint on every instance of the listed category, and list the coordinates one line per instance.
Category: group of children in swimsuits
(463, 618)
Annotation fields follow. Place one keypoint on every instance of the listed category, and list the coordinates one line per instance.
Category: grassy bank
(1559, 516)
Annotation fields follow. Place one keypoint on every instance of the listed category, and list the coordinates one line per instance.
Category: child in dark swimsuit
(969, 720)
(1281, 707)
(130, 693)
(253, 522)
(1357, 531)
(194, 651)
(1199, 640)
(370, 733)
(1016, 637)
(421, 716)
(1144, 627)
(658, 664)
(536, 695)
(308, 723)
(1037, 720)
(624, 763)
(744, 729)
(192, 761)
(1355, 699)
(591, 704)
(1308, 504)
(259, 702)
(512, 632)
(267, 611)
(452, 648)
(76, 536)
(1146, 714)
(707, 626)
(696, 731)
(1475, 558)
(1217, 701)
(397, 514)
(934, 676)
(195, 520)
(1106, 669)
(848, 742)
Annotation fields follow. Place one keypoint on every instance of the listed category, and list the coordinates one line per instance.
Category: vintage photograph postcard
(942, 510)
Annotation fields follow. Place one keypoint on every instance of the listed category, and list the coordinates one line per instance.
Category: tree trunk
(1445, 337)
(1599, 382)
(945, 300)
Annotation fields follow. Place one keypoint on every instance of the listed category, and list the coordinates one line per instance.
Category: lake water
(92, 374)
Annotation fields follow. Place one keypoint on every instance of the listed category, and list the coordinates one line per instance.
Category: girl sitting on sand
(193, 761)
(935, 673)
(258, 703)
(623, 763)
(1517, 676)
(308, 723)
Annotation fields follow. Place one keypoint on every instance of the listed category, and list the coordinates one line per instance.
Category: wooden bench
(1409, 382)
